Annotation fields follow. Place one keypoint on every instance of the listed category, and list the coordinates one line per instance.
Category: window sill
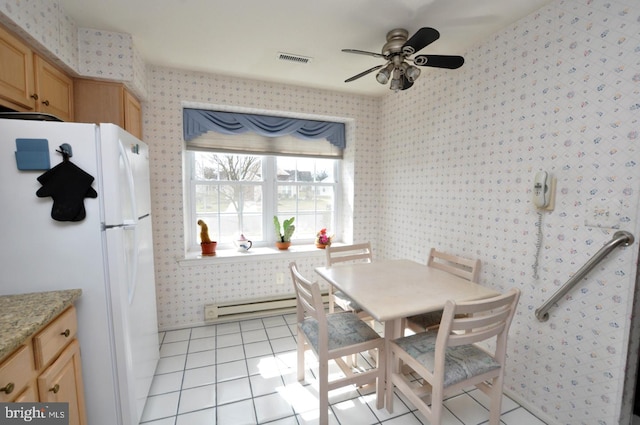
(226, 256)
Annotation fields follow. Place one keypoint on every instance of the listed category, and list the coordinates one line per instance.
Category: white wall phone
(542, 189)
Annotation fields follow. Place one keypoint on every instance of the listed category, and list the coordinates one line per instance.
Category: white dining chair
(465, 268)
(331, 337)
(449, 358)
(360, 252)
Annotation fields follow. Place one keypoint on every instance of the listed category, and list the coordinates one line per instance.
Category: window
(240, 193)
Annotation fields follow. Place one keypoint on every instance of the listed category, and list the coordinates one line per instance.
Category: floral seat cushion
(461, 362)
(344, 329)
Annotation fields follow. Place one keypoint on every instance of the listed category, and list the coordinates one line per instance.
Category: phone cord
(538, 245)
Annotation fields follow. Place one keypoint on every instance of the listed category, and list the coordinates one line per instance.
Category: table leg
(392, 330)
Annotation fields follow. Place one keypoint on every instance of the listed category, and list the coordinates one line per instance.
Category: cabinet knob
(34, 96)
(45, 103)
(55, 389)
(8, 389)
(66, 333)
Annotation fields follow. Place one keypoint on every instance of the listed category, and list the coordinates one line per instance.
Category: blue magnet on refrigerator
(32, 154)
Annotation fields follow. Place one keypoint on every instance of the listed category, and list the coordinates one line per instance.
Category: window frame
(270, 186)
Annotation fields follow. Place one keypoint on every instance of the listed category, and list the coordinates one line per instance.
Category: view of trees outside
(229, 193)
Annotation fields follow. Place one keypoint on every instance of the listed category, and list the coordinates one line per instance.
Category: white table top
(393, 289)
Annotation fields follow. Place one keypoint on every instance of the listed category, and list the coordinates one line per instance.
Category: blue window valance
(198, 121)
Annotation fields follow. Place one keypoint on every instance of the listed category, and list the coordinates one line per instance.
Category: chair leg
(437, 398)
(300, 355)
(380, 382)
(496, 401)
(323, 392)
(389, 365)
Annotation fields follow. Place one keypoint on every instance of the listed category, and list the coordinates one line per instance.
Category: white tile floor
(244, 373)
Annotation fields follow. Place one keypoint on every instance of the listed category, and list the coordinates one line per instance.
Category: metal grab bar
(619, 238)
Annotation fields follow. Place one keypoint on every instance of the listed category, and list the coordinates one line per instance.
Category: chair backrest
(356, 252)
(309, 299)
(475, 321)
(466, 268)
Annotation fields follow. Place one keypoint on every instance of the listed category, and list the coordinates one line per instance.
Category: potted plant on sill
(322, 239)
(206, 244)
(284, 232)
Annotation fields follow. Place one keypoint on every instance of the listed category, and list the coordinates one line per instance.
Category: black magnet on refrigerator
(68, 185)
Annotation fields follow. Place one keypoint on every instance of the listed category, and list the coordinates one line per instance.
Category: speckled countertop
(22, 315)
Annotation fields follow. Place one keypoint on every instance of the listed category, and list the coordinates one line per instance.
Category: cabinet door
(132, 115)
(27, 396)
(55, 90)
(16, 73)
(98, 101)
(16, 372)
(62, 382)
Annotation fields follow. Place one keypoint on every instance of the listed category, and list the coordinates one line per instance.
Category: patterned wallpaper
(449, 164)
(559, 92)
(87, 52)
(183, 289)
(45, 25)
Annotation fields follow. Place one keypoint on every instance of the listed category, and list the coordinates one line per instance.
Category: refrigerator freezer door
(125, 161)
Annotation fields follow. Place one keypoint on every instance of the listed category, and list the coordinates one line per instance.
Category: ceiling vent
(293, 58)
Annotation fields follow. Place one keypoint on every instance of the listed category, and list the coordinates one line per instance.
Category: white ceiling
(244, 37)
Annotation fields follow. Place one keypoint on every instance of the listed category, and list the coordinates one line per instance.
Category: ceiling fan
(397, 51)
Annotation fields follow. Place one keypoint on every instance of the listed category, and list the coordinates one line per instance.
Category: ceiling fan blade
(362, 74)
(418, 41)
(362, 52)
(439, 61)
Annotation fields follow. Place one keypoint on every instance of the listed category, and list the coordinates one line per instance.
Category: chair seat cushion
(344, 329)
(346, 303)
(461, 362)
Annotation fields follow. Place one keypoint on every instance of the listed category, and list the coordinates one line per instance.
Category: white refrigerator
(108, 253)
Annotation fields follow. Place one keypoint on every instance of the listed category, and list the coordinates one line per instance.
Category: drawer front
(15, 373)
(52, 339)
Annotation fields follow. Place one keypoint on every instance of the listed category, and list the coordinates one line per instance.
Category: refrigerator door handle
(130, 182)
(131, 223)
(133, 266)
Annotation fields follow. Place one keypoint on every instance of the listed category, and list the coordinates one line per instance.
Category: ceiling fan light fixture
(384, 74)
(412, 73)
(395, 84)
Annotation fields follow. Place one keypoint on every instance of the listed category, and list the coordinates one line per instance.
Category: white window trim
(270, 185)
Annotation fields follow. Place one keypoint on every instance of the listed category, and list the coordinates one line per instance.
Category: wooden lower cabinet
(30, 395)
(47, 368)
(62, 382)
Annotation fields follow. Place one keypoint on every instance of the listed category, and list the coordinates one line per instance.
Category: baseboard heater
(253, 308)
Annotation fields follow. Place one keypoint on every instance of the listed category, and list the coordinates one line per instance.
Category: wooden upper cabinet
(31, 84)
(54, 89)
(16, 73)
(132, 115)
(103, 101)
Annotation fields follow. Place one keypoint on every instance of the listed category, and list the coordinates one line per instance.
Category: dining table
(391, 290)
